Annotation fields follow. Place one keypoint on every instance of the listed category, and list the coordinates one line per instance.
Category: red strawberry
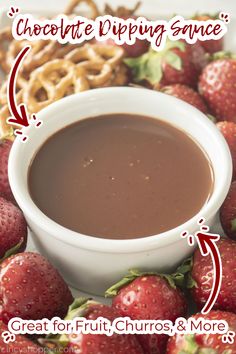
(5, 190)
(13, 229)
(202, 274)
(202, 343)
(212, 46)
(21, 345)
(228, 213)
(95, 343)
(193, 60)
(218, 86)
(186, 94)
(228, 129)
(177, 63)
(31, 288)
(149, 297)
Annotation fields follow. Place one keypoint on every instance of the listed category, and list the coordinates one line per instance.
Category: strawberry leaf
(211, 117)
(57, 342)
(233, 225)
(146, 67)
(78, 308)
(77, 303)
(113, 290)
(12, 250)
(154, 70)
(175, 279)
(173, 60)
(191, 347)
(207, 351)
(179, 277)
(222, 55)
(174, 44)
(190, 282)
(149, 65)
(186, 266)
(169, 279)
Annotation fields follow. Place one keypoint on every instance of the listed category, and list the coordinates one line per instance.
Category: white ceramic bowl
(93, 264)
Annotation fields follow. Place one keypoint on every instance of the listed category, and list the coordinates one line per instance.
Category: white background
(149, 6)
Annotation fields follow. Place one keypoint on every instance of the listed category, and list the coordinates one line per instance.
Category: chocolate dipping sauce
(120, 176)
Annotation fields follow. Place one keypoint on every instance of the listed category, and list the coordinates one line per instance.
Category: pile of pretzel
(52, 71)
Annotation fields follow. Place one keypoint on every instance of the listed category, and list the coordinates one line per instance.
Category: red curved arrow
(19, 114)
(207, 245)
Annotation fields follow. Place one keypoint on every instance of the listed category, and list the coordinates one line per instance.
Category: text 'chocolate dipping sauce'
(120, 176)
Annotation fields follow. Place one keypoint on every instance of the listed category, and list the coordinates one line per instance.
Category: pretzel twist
(5, 40)
(113, 55)
(93, 9)
(41, 52)
(51, 82)
(52, 70)
(21, 82)
(99, 62)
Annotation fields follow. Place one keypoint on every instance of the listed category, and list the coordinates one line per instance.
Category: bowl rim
(103, 245)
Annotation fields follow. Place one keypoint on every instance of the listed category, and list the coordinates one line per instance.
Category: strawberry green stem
(56, 343)
(191, 347)
(78, 308)
(222, 55)
(175, 279)
(149, 65)
(12, 250)
(233, 225)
